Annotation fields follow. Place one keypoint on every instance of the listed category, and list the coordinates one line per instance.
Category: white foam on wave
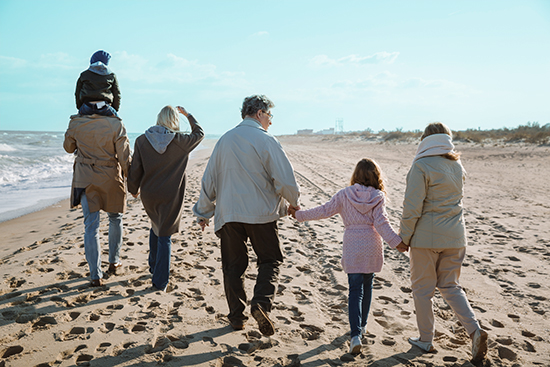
(6, 148)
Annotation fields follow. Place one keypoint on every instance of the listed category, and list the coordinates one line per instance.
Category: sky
(379, 65)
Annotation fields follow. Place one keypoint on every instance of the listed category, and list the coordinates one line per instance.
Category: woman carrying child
(363, 211)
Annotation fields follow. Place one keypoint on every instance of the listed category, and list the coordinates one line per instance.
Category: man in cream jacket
(245, 185)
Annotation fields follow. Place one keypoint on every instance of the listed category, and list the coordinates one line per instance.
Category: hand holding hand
(402, 247)
(292, 210)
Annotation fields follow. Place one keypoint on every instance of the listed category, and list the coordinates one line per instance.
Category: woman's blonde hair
(441, 128)
(169, 118)
(368, 173)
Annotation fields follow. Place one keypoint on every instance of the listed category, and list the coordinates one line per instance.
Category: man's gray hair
(255, 103)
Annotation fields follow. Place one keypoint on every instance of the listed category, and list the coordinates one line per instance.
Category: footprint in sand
(140, 326)
(84, 359)
(103, 347)
(496, 323)
(311, 332)
(44, 322)
(107, 327)
(12, 350)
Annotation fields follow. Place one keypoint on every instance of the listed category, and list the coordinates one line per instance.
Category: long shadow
(133, 351)
(68, 295)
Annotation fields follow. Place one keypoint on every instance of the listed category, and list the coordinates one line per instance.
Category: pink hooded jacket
(366, 222)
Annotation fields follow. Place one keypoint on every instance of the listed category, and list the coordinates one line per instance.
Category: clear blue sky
(374, 64)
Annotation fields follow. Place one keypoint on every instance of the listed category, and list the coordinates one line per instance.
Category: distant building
(305, 132)
(326, 132)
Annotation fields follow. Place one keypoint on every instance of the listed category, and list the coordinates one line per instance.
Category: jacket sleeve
(69, 144)
(327, 210)
(415, 193)
(191, 141)
(204, 208)
(279, 168)
(77, 92)
(122, 146)
(135, 173)
(116, 94)
(383, 226)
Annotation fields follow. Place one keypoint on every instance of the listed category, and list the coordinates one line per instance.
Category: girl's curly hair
(368, 173)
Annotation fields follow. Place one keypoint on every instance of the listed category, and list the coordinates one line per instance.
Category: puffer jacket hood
(363, 198)
(100, 68)
(159, 137)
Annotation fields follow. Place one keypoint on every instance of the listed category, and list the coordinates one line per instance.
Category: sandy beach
(50, 317)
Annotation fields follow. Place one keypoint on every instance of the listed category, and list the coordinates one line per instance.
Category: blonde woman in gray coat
(158, 173)
(433, 227)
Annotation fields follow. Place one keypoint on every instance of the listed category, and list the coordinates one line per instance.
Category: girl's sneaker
(355, 345)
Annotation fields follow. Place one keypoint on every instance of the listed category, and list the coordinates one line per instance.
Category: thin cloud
(175, 69)
(259, 34)
(7, 62)
(376, 58)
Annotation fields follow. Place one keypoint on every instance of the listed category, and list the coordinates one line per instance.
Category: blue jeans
(91, 238)
(360, 296)
(160, 248)
(90, 109)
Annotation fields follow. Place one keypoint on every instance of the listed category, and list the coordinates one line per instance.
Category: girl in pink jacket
(362, 207)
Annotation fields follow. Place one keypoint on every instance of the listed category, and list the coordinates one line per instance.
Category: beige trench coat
(101, 164)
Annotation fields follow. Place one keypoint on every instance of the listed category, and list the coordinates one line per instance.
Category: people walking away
(97, 89)
(433, 226)
(101, 164)
(245, 185)
(157, 171)
(362, 206)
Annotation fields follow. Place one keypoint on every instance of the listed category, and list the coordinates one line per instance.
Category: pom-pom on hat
(102, 56)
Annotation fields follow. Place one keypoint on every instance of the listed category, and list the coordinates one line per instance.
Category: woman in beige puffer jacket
(433, 227)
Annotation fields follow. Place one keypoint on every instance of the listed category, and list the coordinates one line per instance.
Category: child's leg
(355, 300)
(367, 298)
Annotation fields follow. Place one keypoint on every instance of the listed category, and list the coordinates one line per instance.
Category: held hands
(402, 247)
(182, 111)
(292, 210)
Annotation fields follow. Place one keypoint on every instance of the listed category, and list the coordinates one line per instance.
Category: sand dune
(49, 317)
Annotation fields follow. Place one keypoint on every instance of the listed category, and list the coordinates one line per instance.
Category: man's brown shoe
(115, 268)
(264, 323)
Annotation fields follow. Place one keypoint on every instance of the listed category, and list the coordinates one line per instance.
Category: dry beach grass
(49, 317)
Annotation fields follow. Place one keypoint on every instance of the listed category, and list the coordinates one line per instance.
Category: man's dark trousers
(265, 242)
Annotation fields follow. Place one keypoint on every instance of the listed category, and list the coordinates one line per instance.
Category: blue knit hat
(102, 56)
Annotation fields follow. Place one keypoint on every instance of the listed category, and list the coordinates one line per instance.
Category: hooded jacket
(97, 83)
(158, 172)
(366, 222)
(102, 158)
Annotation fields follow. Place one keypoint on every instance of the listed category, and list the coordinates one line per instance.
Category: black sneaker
(264, 323)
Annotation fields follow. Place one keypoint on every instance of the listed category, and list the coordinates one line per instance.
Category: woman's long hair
(441, 128)
(169, 118)
(368, 173)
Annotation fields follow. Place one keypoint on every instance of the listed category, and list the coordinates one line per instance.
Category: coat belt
(96, 162)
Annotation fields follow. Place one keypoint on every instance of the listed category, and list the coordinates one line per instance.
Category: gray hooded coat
(158, 171)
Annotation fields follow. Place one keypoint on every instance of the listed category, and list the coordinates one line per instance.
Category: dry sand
(49, 317)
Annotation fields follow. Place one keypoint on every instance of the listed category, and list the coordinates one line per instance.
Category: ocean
(35, 171)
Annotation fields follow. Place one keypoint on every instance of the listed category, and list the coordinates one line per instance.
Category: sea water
(35, 171)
